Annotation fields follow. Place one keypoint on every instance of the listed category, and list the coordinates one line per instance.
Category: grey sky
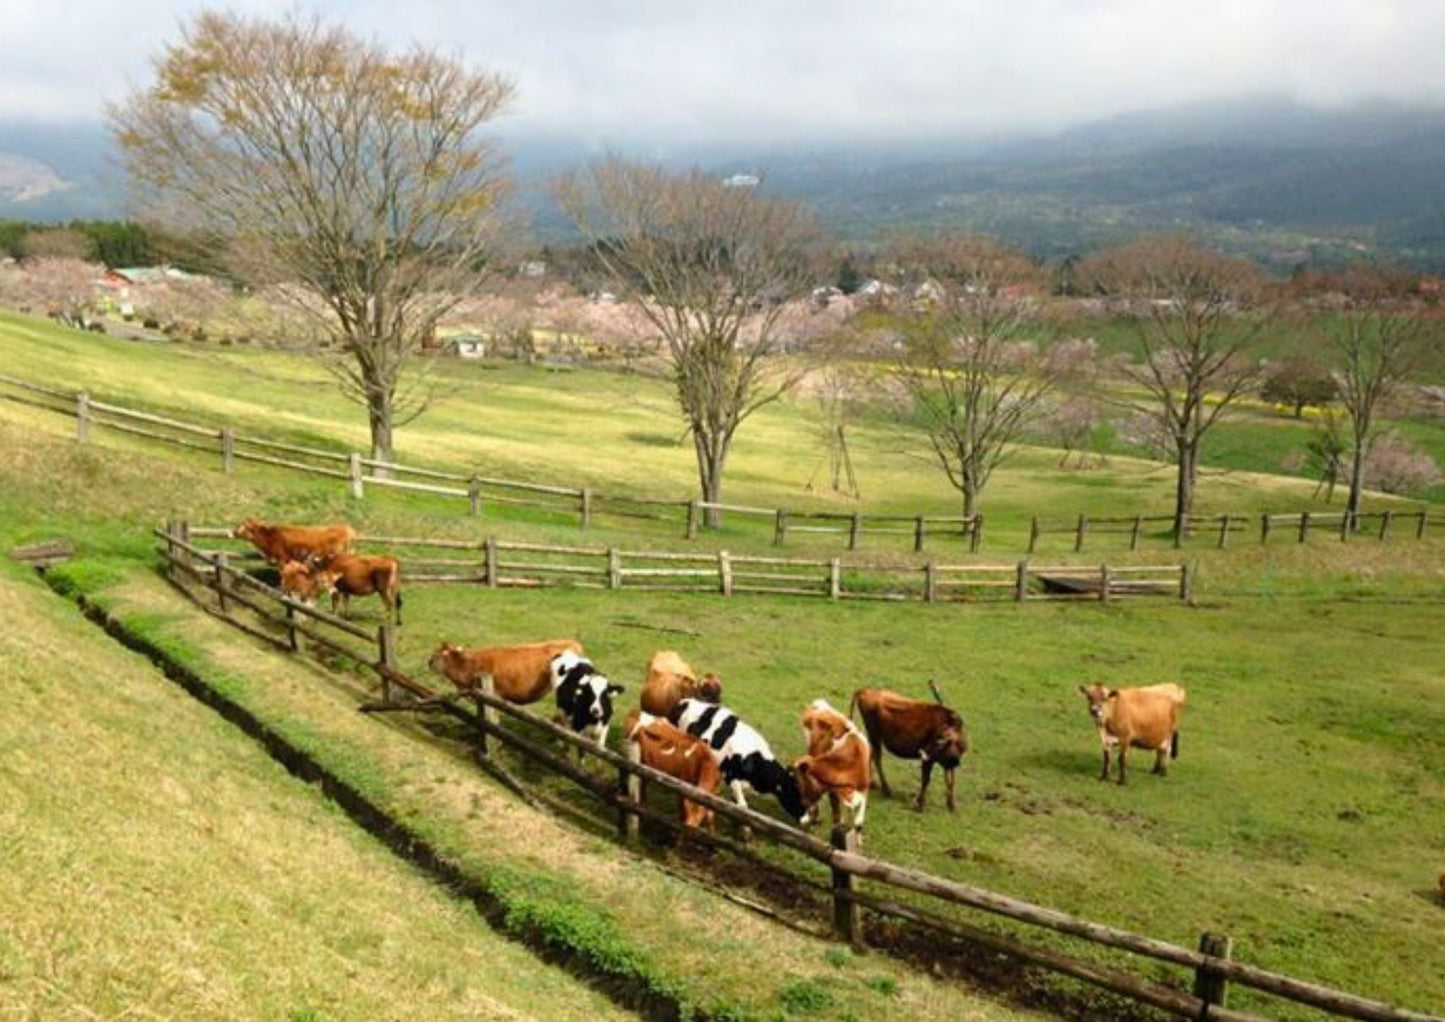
(660, 71)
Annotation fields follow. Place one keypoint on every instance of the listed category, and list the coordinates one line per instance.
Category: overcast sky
(659, 71)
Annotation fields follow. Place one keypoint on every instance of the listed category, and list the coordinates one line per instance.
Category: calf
(584, 697)
(670, 680)
(309, 544)
(912, 729)
(345, 576)
(746, 760)
(678, 754)
(836, 765)
(520, 674)
(1146, 718)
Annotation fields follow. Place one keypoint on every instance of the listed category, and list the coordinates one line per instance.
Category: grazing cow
(746, 760)
(678, 754)
(1146, 718)
(584, 697)
(836, 765)
(912, 729)
(345, 576)
(670, 680)
(309, 544)
(520, 674)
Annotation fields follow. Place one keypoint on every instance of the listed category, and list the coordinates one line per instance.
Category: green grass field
(1303, 817)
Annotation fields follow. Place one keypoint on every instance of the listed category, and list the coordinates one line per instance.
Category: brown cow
(912, 729)
(309, 544)
(678, 754)
(670, 680)
(836, 765)
(1147, 718)
(520, 674)
(345, 576)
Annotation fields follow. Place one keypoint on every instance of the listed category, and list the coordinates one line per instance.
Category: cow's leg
(860, 809)
(1123, 757)
(737, 787)
(1161, 756)
(949, 775)
(923, 788)
(836, 804)
(878, 765)
(1104, 773)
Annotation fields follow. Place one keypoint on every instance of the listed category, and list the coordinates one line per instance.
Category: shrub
(1396, 466)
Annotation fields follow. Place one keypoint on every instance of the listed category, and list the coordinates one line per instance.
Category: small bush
(805, 997)
(151, 323)
(1396, 466)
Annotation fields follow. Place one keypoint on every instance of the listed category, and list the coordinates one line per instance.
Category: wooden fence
(1219, 529)
(618, 788)
(499, 563)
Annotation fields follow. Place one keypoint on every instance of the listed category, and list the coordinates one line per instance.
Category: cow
(584, 697)
(678, 754)
(837, 765)
(520, 674)
(309, 544)
(746, 761)
(670, 680)
(345, 576)
(1145, 718)
(912, 729)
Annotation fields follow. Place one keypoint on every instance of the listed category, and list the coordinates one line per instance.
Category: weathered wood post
(918, 534)
(835, 578)
(228, 449)
(218, 559)
(1079, 532)
(1209, 986)
(692, 519)
(353, 465)
(183, 530)
(1385, 523)
(489, 566)
(386, 649)
(584, 497)
(780, 528)
(82, 416)
(725, 572)
(1304, 525)
(1103, 583)
(474, 497)
(171, 549)
(847, 916)
(930, 581)
(486, 716)
(1033, 533)
(629, 786)
(1420, 529)
(291, 639)
(1021, 581)
(1134, 535)
(1223, 530)
(614, 568)
(854, 527)
(1187, 573)
(1264, 528)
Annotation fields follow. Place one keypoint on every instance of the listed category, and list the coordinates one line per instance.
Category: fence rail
(1212, 968)
(691, 515)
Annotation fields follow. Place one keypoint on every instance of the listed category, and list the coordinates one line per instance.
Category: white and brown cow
(837, 765)
(1144, 718)
(520, 674)
(678, 754)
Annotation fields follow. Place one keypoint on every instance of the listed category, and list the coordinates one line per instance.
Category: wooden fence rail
(624, 797)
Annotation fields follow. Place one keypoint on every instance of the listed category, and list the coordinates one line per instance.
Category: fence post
(489, 567)
(1033, 533)
(1223, 531)
(1021, 581)
(847, 919)
(219, 559)
(780, 528)
(485, 715)
(1264, 528)
(1103, 583)
(386, 648)
(1304, 525)
(1385, 523)
(1083, 527)
(629, 786)
(1134, 536)
(1420, 529)
(353, 464)
(82, 416)
(474, 496)
(183, 530)
(930, 581)
(725, 572)
(854, 527)
(918, 533)
(291, 627)
(835, 578)
(171, 549)
(692, 519)
(1186, 582)
(585, 496)
(1209, 986)
(228, 449)
(614, 568)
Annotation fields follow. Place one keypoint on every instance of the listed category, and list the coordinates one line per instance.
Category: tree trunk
(1357, 483)
(382, 444)
(712, 453)
(971, 491)
(1184, 487)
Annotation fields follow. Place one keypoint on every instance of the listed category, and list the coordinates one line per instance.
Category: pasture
(1302, 818)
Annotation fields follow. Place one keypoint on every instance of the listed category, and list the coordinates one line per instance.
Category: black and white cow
(746, 760)
(584, 697)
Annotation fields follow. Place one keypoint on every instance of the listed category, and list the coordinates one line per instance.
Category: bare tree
(57, 243)
(1380, 339)
(353, 178)
(971, 364)
(1195, 315)
(63, 288)
(711, 269)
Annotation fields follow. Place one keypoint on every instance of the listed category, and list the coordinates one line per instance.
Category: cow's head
(949, 741)
(592, 704)
(810, 789)
(1098, 697)
(326, 579)
(299, 582)
(248, 530)
(823, 726)
(444, 656)
(709, 688)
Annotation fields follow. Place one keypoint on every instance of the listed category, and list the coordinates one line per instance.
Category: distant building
(532, 268)
(742, 181)
(466, 346)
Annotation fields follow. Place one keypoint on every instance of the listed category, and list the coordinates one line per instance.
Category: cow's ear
(1113, 693)
(616, 689)
(1083, 691)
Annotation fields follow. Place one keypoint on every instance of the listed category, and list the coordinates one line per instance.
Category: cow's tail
(852, 705)
(1174, 745)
